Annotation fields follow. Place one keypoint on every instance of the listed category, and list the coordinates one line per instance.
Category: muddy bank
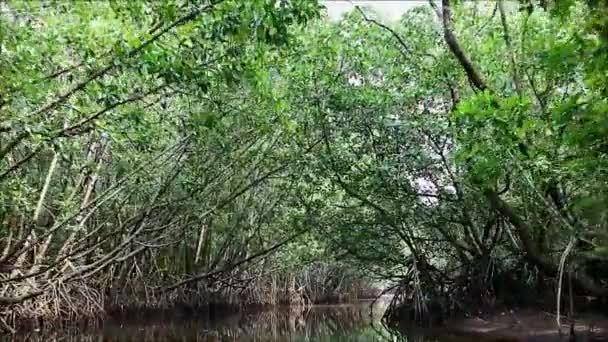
(513, 325)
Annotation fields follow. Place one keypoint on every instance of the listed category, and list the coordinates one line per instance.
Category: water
(331, 323)
(324, 323)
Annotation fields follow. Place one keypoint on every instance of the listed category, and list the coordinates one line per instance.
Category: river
(327, 323)
(355, 322)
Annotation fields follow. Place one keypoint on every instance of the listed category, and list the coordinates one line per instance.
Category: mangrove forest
(217, 157)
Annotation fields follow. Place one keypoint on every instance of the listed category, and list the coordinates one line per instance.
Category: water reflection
(355, 322)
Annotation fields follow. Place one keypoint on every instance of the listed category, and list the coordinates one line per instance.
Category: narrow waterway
(347, 322)
(323, 323)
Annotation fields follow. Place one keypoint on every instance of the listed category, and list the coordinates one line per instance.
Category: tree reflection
(320, 323)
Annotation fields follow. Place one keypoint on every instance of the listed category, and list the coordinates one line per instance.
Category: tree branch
(507, 38)
(233, 265)
(392, 32)
(450, 38)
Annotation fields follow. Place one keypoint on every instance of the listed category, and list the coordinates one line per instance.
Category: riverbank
(514, 325)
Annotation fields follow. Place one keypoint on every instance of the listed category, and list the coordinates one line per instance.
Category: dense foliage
(153, 153)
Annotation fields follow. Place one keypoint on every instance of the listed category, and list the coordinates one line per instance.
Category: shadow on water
(350, 322)
(322, 323)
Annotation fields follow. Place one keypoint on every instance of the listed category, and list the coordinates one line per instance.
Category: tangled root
(60, 302)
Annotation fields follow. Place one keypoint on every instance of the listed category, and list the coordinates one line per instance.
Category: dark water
(351, 322)
(332, 323)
